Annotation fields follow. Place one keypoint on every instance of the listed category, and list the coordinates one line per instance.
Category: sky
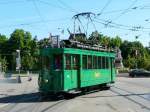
(125, 18)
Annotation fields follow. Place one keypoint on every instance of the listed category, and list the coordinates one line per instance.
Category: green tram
(73, 69)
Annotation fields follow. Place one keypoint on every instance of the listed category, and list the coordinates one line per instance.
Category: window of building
(84, 61)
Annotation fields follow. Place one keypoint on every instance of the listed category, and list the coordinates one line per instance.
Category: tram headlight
(46, 80)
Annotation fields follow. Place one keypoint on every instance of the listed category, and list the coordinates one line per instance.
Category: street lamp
(136, 51)
(18, 65)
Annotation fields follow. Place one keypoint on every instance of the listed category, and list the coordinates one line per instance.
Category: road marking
(1, 106)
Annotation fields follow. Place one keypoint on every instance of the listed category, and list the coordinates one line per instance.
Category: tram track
(127, 95)
(131, 96)
(53, 106)
(12, 106)
(133, 83)
(134, 94)
(36, 107)
(9, 106)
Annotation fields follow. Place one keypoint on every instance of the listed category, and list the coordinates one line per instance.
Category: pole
(136, 58)
(18, 63)
(136, 52)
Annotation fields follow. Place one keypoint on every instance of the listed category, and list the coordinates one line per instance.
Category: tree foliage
(132, 52)
(3, 64)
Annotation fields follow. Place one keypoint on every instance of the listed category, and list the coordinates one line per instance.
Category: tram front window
(45, 61)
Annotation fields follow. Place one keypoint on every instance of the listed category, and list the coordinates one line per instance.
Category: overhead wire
(40, 15)
(121, 26)
(105, 6)
(122, 13)
(53, 5)
(67, 6)
(107, 23)
(42, 20)
(11, 2)
(125, 11)
(139, 7)
(35, 22)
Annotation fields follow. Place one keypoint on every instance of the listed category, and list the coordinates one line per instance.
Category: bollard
(29, 77)
(18, 79)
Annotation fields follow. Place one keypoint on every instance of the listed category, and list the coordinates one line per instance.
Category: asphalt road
(126, 95)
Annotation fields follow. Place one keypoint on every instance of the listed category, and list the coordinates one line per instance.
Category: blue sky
(42, 17)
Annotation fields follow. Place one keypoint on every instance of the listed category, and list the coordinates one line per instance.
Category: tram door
(75, 70)
(72, 71)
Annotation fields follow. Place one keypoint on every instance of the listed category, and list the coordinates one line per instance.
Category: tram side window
(68, 62)
(75, 59)
(107, 62)
(95, 60)
(84, 62)
(103, 62)
(89, 62)
(99, 62)
(45, 62)
(57, 61)
(113, 63)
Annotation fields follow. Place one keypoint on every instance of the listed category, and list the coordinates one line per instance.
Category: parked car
(139, 72)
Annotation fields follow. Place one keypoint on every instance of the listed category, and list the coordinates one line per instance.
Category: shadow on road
(36, 97)
(31, 97)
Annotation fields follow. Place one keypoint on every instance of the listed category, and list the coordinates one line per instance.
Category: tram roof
(48, 51)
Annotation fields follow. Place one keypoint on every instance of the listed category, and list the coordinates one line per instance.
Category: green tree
(4, 63)
(43, 43)
(105, 41)
(116, 42)
(21, 40)
(17, 39)
(3, 40)
(95, 37)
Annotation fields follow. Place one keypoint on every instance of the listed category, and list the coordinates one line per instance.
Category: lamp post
(18, 65)
(136, 52)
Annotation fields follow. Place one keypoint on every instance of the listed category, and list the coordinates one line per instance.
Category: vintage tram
(67, 69)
